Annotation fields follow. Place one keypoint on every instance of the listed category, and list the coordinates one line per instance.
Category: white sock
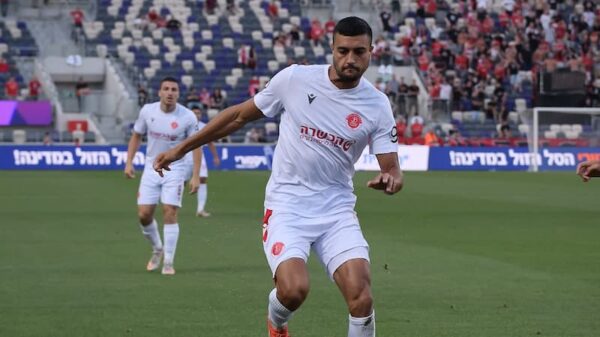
(151, 234)
(202, 193)
(278, 314)
(362, 326)
(171, 233)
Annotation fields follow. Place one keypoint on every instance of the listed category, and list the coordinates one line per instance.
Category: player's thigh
(172, 188)
(150, 188)
(284, 239)
(342, 241)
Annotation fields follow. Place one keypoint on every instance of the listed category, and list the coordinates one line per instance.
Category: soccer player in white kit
(203, 188)
(329, 113)
(166, 123)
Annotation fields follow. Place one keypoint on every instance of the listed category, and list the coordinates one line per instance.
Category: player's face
(169, 93)
(351, 56)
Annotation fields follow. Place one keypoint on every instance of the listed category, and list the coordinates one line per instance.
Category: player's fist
(129, 171)
(588, 169)
(386, 182)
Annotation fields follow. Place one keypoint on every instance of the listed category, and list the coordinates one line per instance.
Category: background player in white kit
(166, 123)
(203, 188)
(328, 115)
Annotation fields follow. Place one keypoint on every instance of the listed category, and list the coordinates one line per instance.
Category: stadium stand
(477, 63)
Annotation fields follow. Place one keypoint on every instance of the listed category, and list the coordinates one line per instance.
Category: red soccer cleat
(274, 332)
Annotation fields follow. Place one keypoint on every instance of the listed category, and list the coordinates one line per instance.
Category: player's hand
(387, 183)
(217, 161)
(194, 184)
(129, 171)
(588, 169)
(163, 160)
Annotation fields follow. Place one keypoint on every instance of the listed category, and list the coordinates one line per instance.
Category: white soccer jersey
(189, 157)
(323, 132)
(165, 130)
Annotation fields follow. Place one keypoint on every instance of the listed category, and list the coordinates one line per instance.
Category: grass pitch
(454, 254)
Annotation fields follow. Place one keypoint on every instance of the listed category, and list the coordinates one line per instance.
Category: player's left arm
(215, 154)
(390, 178)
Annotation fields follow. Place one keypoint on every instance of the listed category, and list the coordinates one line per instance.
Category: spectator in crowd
(386, 17)
(253, 86)
(402, 97)
(455, 138)
(400, 128)
(504, 131)
(252, 136)
(231, 8)
(34, 88)
(413, 98)
(329, 26)
(316, 32)
(78, 16)
(217, 99)
(155, 20)
(142, 95)
(192, 99)
(4, 7)
(82, 89)
(431, 138)
(210, 6)
(173, 24)
(273, 11)
(252, 61)
(47, 140)
(11, 88)
(4, 68)
(204, 98)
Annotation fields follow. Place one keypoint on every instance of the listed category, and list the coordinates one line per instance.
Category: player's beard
(342, 77)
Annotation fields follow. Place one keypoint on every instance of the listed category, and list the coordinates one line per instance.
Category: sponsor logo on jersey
(174, 125)
(354, 120)
(277, 248)
(325, 138)
(162, 136)
(311, 98)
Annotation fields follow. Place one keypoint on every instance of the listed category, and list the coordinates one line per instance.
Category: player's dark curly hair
(353, 26)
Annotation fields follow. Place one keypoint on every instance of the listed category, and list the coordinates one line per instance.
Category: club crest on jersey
(354, 120)
(277, 248)
(174, 125)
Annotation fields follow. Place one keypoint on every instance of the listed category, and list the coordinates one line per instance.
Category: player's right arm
(134, 145)
(233, 118)
(225, 123)
(139, 129)
(588, 169)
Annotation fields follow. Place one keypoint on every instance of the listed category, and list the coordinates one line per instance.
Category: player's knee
(292, 294)
(361, 304)
(170, 214)
(145, 217)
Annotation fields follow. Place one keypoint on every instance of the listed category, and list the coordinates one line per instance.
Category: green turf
(455, 254)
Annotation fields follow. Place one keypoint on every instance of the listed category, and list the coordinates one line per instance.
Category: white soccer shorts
(335, 239)
(167, 189)
(203, 169)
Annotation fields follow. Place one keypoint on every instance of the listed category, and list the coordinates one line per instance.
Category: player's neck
(167, 108)
(340, 84)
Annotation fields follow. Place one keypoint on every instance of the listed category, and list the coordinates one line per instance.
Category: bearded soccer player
(166, 123)
(329, 113)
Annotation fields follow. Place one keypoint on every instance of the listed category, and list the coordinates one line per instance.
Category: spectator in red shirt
(34, 88)
(11, 88)
(273, 11)
(77, 15)
(253, 86)
(3, 65)
(316, 31)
